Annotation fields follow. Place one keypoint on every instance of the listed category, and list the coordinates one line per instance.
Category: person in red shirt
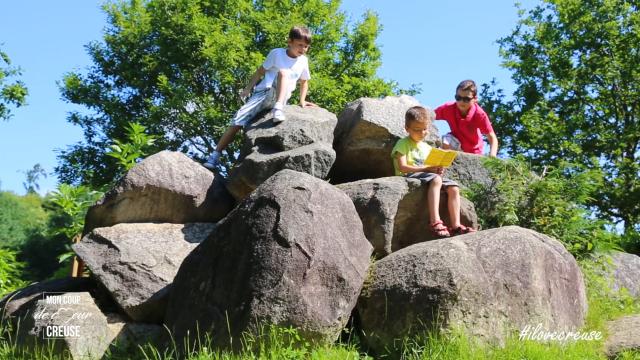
(467, 121)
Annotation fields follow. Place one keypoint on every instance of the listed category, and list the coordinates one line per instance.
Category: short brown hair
(468, 85)
(418, 114)
(300, 33)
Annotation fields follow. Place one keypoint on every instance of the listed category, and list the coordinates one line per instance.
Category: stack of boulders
(294, 239)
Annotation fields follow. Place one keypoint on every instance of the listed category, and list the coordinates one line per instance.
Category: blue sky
(435, 44)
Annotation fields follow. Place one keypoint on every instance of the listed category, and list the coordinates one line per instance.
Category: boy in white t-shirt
(281, 69)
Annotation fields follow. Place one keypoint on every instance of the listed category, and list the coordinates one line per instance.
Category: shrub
(554, 203)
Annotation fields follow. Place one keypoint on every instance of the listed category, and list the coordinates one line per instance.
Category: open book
(439, 157)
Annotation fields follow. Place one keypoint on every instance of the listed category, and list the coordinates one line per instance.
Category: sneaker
(213, 161)
(278, 116)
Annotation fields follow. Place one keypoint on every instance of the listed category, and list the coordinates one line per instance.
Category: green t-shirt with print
(416, 153)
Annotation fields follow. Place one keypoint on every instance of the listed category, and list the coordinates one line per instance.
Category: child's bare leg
(453, 203)
(281, 88)
(433, 199)
(227, 137)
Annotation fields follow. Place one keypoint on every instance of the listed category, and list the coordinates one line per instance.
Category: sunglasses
(463, 98)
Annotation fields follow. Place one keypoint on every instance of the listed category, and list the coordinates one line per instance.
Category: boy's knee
(436, 181)
(453, 190)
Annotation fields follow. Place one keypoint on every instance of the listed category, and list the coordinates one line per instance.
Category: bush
(10, 272)
(553, 203)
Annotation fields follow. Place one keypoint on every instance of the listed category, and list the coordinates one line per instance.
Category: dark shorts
(426, 177)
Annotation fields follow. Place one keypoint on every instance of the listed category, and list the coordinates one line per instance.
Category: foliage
(553, 204)
(12, 92)
(24, 228)
(20, 218)
(10, 271)
(128, 153)
(175, 66)
(70, 204)
(576, 65)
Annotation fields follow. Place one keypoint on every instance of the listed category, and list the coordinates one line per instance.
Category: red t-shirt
(466, 129)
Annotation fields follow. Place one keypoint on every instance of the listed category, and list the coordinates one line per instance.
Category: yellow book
(439, 157)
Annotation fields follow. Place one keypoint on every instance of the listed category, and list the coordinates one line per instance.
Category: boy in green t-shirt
(409, 155)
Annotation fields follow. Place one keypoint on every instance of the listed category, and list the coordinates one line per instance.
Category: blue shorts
(260, 100)
(426, 177)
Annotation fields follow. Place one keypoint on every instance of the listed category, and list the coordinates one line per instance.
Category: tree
(21, 217)
(12, 92)
(31, 182)
(175, 67)
(576, 66)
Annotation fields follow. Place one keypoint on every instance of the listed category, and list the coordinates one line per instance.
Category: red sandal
(461, 229)
(439, 230)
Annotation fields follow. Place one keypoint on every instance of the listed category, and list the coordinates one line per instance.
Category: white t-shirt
(278, 60)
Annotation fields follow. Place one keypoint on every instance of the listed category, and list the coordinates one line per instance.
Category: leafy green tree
(576, 65)
(24, 231)
(12, 92)
(33, 175)
(176, 66)
(20, 218)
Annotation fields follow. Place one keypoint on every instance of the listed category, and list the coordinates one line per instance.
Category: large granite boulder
(167, 187)
(292, 254)
(68, 323)
(366, 132)
(394, 211)
(129, 336)
(301, 143)
(468, 169)
(623, 335)
(136, 263)
(488, 283)
(625, 271)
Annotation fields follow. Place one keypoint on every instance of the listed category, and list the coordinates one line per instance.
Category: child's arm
(253, 81)
(304, 87)
(403, 167)
(493, 143)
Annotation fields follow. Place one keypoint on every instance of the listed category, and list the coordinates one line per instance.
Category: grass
(285, 343)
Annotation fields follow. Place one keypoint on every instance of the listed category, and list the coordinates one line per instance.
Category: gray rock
(623, 335)
(136, 263)
(301, 143)
(467, 169)
(166, 187)
(626, 272)
(394, 211)
(366, 132)
(488, 283)
(128, 336)
(16, 303)
(292, 254)
(76, 326)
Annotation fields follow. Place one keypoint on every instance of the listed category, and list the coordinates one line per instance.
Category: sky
(435, 44)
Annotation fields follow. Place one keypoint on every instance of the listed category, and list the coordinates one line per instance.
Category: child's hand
(307, 104)
(436, 170)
